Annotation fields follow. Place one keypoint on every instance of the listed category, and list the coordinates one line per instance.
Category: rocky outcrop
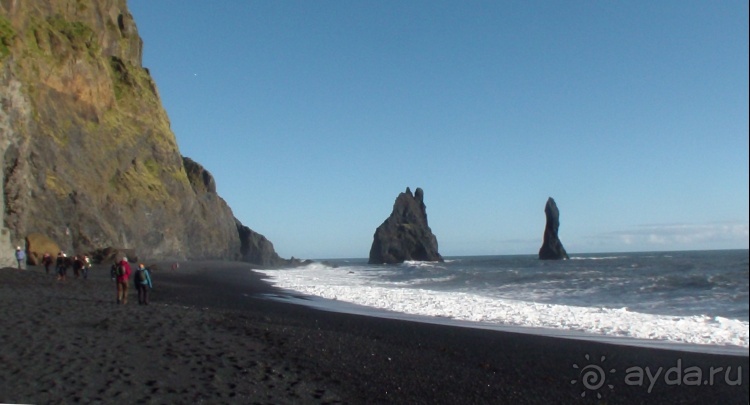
(88, 156)
(37, 245)
(256, 249)
(405, 235)
(552, 248)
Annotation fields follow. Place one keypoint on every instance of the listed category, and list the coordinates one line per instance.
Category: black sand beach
(210, 336)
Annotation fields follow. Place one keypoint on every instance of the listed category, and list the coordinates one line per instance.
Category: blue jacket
(146, 277)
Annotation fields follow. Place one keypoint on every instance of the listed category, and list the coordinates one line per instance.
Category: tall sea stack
(405, 235)
(552, 248)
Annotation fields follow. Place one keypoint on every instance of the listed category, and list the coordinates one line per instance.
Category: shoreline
(212, 334)
(325, 304)
(650, 299)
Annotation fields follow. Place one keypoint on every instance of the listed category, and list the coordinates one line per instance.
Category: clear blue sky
(314, 115)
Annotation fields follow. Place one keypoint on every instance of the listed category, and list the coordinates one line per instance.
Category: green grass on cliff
(142, 181)
(131, 81)
(53, 183)
(56, 38)
(7, 34)
(127, 141)
(79, 35)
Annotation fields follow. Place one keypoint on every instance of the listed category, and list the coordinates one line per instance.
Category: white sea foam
(362, 287)
(428, 280)
(420, 264)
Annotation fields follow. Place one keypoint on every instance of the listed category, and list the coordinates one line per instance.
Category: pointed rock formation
(552, 248)
(405, 235)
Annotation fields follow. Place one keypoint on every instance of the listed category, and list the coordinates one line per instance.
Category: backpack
(140, 276)
(120, 271)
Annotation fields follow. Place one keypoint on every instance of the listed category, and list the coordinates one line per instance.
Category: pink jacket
(126, 276)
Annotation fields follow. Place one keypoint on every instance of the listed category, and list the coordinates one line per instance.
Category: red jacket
(125, 277)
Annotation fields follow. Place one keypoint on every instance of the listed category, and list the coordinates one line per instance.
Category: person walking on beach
(123, 276)
(20, 257)
(65, 264)
(77, 265)
(60, 266)
(142, 281)
(86, 267)
(47, 261)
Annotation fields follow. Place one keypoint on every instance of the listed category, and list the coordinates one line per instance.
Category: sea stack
(405, 235)
(552, 248)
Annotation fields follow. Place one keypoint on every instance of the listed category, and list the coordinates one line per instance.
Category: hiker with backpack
(122, 276)
(142, 284)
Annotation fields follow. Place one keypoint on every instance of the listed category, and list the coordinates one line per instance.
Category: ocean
(686, 297)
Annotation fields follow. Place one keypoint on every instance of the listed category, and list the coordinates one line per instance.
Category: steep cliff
(88, 156)
(552, 248)
(405, 234)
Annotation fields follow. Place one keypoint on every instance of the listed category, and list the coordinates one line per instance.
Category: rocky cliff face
(259, 250)
(405, 235)
(552, 248)
(88, 156)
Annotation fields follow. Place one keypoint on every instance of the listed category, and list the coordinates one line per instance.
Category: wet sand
(210, 335)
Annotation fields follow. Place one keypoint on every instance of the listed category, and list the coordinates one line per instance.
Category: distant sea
(687, 297)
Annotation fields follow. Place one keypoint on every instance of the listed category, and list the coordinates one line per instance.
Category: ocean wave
(680, 282)
(596, 258)
(420, 264)
(334, 284)
(422, 281)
